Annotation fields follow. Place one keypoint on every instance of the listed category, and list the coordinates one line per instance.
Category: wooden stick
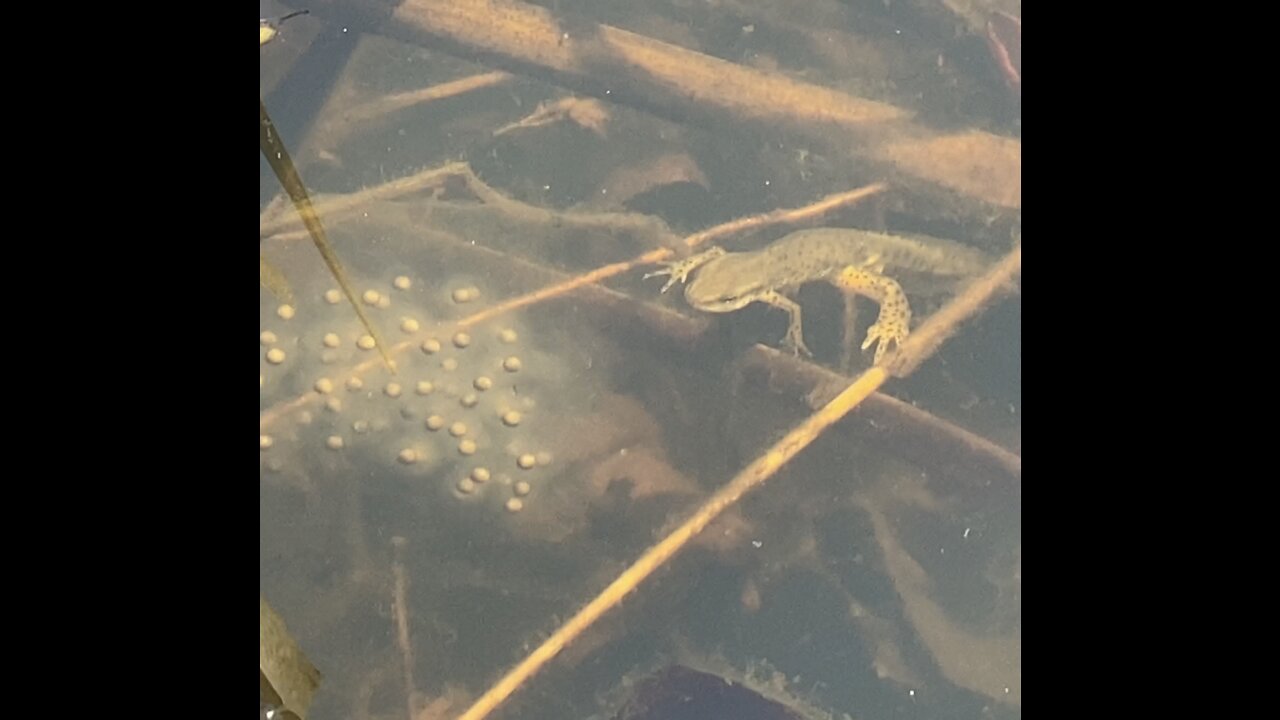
(788, 215)
(687, 86)
(400, 607)
(889, 418)
(926, 340)
(399, 101)
(667, 323)
(337, 208)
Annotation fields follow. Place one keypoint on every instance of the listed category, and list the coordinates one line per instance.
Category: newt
(857, 262)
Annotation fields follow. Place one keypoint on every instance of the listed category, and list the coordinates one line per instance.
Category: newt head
(727, 283)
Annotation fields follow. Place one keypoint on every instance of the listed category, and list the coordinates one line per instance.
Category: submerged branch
(930, 335)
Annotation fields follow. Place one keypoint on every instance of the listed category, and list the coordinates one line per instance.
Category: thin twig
(277, 156)
(337, 125)
(350, 203)
(788, 215)
(909, 425)
(936, 329)
(400, 606)
(944, 323)
(667, 322)
(399, 101)
(623, 67)
(336, 208)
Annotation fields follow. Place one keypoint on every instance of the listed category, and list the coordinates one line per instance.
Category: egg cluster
(462, 411)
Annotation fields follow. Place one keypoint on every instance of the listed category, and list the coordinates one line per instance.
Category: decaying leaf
(586, 112)
(288, 679)
(274, 281)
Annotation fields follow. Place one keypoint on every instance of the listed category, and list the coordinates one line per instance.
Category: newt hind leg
(894, 322)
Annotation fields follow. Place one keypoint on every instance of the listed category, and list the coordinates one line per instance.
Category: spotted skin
(855, 261)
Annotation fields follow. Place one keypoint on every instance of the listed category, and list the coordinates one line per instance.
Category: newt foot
(680, 269)
(883, 335)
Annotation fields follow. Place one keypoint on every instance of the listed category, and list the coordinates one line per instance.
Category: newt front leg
(794, 340)
(680, 269)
